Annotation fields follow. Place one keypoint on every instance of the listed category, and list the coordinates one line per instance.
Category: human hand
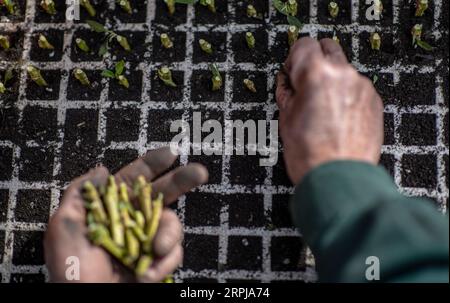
(328, 111)
(67, 231)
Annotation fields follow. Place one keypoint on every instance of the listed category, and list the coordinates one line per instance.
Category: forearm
(348, 211)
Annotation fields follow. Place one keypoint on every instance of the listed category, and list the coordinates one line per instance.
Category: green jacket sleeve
(348, 211)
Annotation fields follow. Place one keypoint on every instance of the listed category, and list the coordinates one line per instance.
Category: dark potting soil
(50, 92)
(139, 12)
(20, 11)
(93, 40)
(419, 171)
(201, 87)
(122, 124)
(247, 248)
(383, 57)
(418, 129)
(162, 14)
(115, 159)
(416, 89)
(78, 91)
(33, 205)
(169, 55)
(39, 124)
(286, 253)
(344, 16)
(16, 46)
(159, 121)
(218, 44)
(42, 17)
(117, 92)
(257, 55)
(204, 16)
(162, 92)
(203, 209)
(205, 246)
(28, 248)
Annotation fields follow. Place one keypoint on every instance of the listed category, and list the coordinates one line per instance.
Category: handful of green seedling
(8, 76)
(117, 226)
(109, 36)
(117, 74)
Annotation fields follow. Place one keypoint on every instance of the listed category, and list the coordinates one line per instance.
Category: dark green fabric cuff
(337, 190)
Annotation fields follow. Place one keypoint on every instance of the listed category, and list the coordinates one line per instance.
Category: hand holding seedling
(328, 111)
(67, 231)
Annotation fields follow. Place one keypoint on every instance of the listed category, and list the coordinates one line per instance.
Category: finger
(180, 180)
(282, 91)
(169, 234)
(300, 56)
(152, 164)
(161, 268)
(333, 51)
(72, 199)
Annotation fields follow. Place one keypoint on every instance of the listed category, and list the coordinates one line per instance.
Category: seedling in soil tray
(171, 4)
(109, 36)
(375, 41)
(250, 85)
(125, 5)
(216, 77)
(292, 34)
(35, 75)
(8, 76)
(43, 42)
(4, 42)
(165, 75)
(89, 8)
(82, 45)
(117, 74)
(252, 13)
(421, 7)
(416, 33)
(10, 7)
(333, 9)
(250, 39)
(123, 231)
(205, 46)
(211, 4)
(165, 41)
(81, 76)
(289, 9)
(48, 6)
(378, 8)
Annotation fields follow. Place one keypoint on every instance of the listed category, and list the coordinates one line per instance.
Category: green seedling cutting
(210, 4)
(165, 75)
(283, 8)
(81, 76)
(216, 78)
(117, 74)
(48, 6)
(333, 9)
(375, 41)
(82, 45)
(421, 7)
(8, 76)
(166, 41)
(89, 7)
(416, 33)
(43, 42)
(205, 46)
(292, 34)
(109, 36)
(10, 6)
(4, 42)
(35, 75)
(250, 85)
(250, 39)
(125, 5)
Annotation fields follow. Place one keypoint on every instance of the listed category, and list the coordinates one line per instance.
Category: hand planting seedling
(205, 46)
(115, 225)
(82, 45)
(89, 8)
(421, 7)
(125, 5)
(117, 74)
(4, 42)
(292, 34)
(81, 76)
(416, 33)
(43, 42)
(48, 6)
(250, 39)
(289, 10)
(375, 41)
(10, 7)
(250, 85)
(109, 36)
(165, 75)
(333, 9)
(35, 75)
(8, 76)
(216, 77)
(211, 4)
(165, 41)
